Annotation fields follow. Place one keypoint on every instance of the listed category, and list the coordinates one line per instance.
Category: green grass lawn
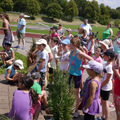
(17, 56)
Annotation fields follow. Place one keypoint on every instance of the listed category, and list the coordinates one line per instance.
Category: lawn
(17, 56)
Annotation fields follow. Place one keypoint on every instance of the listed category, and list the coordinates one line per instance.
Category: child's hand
(80, 67)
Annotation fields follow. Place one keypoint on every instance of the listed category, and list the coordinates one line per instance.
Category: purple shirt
(21, 105)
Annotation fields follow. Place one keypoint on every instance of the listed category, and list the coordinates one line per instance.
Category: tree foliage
(54, 10)
(117, 22)
(72, 9)
(103, 19)
(33, 7)
(7, 5)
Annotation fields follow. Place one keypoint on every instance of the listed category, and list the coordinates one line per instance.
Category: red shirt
(54, 35)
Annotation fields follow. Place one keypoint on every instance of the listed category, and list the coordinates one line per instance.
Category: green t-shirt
(37, 88)
(106, 34)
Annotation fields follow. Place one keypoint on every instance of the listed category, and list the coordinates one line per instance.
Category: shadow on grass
(49, 20)
(67, 19)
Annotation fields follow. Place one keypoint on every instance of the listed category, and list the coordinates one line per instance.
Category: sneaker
(76, 114)
(4, 66)
(17, 46)
(103, 118)
(23, 48)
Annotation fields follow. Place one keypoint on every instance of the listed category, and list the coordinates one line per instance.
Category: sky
(111, 3)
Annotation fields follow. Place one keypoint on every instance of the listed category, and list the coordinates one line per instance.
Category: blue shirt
(20, 24)
(75, 63)
(116, 46)
(40, 56)
(13, 71)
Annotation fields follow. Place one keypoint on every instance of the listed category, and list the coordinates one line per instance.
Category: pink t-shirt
(117, 86)
(54, 35)
(99, 59)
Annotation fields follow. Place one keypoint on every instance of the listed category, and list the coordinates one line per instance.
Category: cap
(106, 43)
(8, 43)
(68, 29)
(110, 53)
(41, 41)
(36, 75)
(91, 33)
(94, 65)
(19, 63)
(65, 41)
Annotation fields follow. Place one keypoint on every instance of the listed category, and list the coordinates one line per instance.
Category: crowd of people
(73, 54)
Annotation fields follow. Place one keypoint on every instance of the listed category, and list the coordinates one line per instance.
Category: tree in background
(81, 5)
(33, 7)
(71, 9)
(103, 19)
(118, 8)
(92, 11)
(7, 5)
(114, 14)
(117, 22)
(104, 9)
(54, 10)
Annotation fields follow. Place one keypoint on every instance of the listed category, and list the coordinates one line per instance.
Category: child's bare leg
(3, 58)
(9, 62)
(17, 77)
(44, 97)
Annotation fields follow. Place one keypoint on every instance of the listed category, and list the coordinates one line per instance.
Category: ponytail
(6, 16)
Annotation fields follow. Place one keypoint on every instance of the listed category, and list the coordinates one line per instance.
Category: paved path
(6, 91)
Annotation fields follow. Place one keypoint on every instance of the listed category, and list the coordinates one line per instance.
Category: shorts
(42, 79)
(89, 117)
(116, 99)
(51, 70)
(20, 35)
(76, 79)
(35, 107)
(105, 94)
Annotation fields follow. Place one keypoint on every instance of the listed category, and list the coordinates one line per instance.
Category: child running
(23, 100)
(91, 103)
(76, 57)
(106, 82)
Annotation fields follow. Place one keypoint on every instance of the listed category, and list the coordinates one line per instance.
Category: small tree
(117, 22)
(54, 10)
(33, 7)
(7, 5)
(72, 9)
(103, 19)
(60, 99)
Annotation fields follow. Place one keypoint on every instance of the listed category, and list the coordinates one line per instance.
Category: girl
(76, 57)
(69, 35)
(64, 62)
(97, 56)
(23, 100)
(6, 28)
(90, 45)
(106, 82)
(91, 103)
(116, 89)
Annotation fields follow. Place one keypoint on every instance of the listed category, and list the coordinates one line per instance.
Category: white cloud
(110, 3)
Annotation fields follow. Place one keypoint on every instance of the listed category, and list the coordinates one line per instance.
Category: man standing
(21, 30)
(86, 26)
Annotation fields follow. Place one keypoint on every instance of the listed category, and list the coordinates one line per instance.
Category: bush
(60, 99)
(117, 22)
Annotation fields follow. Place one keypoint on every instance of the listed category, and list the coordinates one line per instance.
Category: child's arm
(41, 65)
(107, 80)
(92, 44)
(93, 86)
(118, 42)
(6, 26)
(59, 50)
(116, 73)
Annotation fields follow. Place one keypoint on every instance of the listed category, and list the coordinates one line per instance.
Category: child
(116, 87)
(64, 62)
(97, 56)
(7, 55)
(106, 82)
(76, 57)
(69, 35)
(79, 32)
(41, 94)
(53, 63)
(23, 100)
(116, 45)
(90, 45)
(91, 103)
(11, 72)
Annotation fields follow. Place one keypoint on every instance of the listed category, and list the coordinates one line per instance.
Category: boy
(41, 61)
(7, 55)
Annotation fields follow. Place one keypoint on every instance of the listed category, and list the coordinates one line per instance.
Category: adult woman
(6, 28)
(108, 33)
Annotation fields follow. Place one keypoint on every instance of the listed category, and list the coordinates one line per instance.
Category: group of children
(73, 55)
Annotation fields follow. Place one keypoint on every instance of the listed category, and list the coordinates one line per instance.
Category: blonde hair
(82, 30)
(76, 42)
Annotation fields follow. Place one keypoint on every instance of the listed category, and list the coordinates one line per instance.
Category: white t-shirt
(87, 27)
(89, 45)
(69, 36)
(107, 69)
(64, 63)
(54, 52)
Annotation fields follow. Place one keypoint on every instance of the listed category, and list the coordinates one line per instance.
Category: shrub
(117, 22)
(60, 99)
